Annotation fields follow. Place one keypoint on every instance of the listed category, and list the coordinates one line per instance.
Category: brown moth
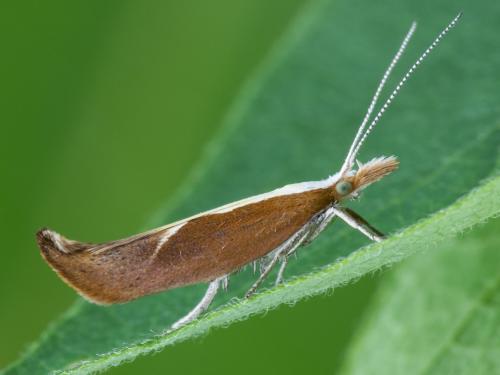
(210, 246)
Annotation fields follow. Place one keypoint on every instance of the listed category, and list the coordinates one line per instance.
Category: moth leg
(204, 303)
(357, 222)
(287, 247)
(320, 224)
(281, 271)
(265, 272)
(317, 225)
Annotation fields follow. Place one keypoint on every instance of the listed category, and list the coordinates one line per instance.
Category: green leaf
(294, 121)
(441, 226)
(439, 313)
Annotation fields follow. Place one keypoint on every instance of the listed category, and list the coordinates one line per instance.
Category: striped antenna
(349, 158)
(359, 140)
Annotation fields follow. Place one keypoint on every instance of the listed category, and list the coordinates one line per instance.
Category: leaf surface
(438, 314)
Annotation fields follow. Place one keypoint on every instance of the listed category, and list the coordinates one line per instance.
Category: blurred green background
(105, 108)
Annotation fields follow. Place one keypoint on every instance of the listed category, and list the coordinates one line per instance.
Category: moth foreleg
(204, 303)
(357, 222)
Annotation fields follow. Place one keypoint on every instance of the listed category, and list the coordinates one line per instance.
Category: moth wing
(101, 277)
(116, 271)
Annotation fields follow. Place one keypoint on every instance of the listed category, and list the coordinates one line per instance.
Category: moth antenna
(349, 158)
(401, 83)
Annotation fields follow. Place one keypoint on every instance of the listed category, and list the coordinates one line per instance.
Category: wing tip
(48, 241)
(57, 251)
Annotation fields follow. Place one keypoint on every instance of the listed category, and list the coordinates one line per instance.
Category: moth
(212, 245)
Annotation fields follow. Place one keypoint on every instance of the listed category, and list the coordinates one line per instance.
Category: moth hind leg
(204, 303)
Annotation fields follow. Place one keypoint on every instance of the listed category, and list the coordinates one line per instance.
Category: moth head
(350, 184)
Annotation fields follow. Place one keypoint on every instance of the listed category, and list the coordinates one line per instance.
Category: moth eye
(343, 187)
